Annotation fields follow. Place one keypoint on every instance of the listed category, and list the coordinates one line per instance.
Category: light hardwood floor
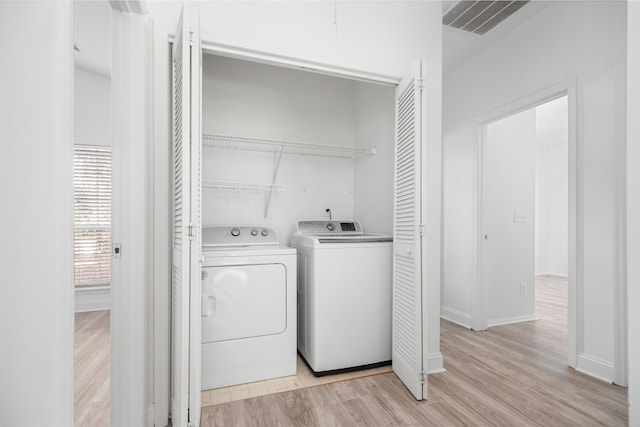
(513, 375)
(91, 360)
(304, 378)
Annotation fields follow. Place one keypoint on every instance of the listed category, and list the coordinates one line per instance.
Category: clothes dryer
(248, 306)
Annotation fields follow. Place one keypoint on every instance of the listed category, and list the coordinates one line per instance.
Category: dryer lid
(236, 236)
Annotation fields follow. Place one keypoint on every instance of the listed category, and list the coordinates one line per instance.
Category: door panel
(407, 346)
(185, 356)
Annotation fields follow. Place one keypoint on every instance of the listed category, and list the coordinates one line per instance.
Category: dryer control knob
(235, 232)
(254, 232)
(264, 232)
(331, 227)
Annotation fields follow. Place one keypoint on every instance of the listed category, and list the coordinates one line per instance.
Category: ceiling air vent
(478, 17)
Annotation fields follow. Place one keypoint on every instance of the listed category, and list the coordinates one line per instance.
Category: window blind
(92, 215)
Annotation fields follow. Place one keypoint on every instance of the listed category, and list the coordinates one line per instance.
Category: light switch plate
(519, 216)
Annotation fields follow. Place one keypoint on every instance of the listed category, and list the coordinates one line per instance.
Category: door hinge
(423, 230)
(423, 376)
(192, 231)
(421, 84)
(193, 37)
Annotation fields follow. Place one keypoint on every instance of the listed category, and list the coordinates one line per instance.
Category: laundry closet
(283, 144)
(258, 147)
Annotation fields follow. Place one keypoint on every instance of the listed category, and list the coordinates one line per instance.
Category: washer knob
(331, 227)
(254, 232)
(235, 232)
(264, 232)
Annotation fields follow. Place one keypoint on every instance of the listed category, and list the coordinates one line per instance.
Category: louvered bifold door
(195, 337)
(181, 219)
(407, 271)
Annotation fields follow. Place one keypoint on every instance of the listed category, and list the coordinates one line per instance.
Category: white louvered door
(407, 349)
(185, 338)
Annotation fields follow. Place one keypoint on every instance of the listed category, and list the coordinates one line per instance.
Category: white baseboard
(510, 320)
(151, 415)
(92, 298)
(564, 275)
(597, 368)
(435, 363)
(455, 316)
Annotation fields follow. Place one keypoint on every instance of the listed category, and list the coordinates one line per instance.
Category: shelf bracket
(277, 156)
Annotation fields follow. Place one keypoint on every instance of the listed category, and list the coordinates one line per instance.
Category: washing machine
(248, 306)
(344, 296)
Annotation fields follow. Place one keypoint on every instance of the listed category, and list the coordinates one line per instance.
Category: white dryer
(248, 306)
(344, 295)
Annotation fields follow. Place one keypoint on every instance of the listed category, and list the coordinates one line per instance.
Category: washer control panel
(238, 236)
(343, 228)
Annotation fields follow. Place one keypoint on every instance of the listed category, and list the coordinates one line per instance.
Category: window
(92, 215)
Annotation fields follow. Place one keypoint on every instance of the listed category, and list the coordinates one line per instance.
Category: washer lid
(330, 228)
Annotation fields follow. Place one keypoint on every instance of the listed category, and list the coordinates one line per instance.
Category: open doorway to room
(525, 195)
(92, 211)
(525, 219)
(551, 213)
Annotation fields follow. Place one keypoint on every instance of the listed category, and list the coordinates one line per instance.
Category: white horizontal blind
(92, 215)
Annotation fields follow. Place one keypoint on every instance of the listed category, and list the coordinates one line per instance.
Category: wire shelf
(282, 146)
(238, 186)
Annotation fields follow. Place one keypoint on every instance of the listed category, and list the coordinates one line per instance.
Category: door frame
(162, 94)
(575, 257)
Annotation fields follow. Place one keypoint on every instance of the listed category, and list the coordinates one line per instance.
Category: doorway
(520, 234)
(92, 212)
(551, 211)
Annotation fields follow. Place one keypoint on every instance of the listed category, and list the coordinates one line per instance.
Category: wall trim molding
(595, 367)
(63, 211)
(93, 298)
(435, 363)
(510, 320)
(621, 369)
(560, 275)
(456, 316)
(280, 60)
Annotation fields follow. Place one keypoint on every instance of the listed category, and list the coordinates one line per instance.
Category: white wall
(508, 172)
(552, 186)
(551, 47)
(373, 180)
(36, 305)
(551, 209)
(633, 208)
(262, 101)
(92, 108)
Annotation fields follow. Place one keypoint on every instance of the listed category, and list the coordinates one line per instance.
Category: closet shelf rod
(284, 146)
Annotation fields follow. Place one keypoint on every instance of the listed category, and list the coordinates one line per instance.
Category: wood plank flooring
(91, 360)
(513, 375)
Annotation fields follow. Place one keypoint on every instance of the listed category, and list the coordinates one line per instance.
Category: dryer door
(243, 301)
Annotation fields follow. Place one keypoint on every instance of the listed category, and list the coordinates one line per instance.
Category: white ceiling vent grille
(478, 17)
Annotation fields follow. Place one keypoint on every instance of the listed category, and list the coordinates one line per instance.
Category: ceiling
(458, 45)
(92, 34)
